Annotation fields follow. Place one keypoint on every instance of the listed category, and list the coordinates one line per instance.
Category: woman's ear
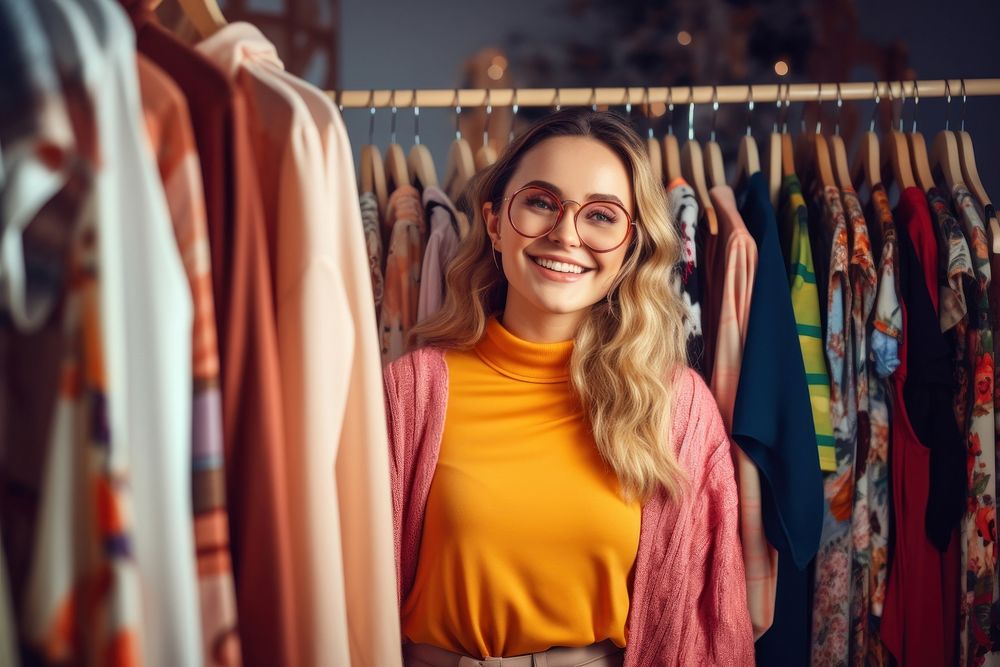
(492, 223)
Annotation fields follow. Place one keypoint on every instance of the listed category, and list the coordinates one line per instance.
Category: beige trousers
(603, 654)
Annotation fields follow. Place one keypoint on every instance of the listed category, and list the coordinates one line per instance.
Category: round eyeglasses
(601, 225)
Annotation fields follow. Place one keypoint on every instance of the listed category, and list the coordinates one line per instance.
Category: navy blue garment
(772, 417)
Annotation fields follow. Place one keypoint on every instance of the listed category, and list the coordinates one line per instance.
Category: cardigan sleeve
(395, 376)
(723, 631)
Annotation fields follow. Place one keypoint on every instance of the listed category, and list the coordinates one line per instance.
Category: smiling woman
(552, 451)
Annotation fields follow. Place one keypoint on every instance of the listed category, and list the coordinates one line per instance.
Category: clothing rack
(771, 92)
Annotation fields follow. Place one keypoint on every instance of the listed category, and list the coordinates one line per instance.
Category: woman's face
(557, 297)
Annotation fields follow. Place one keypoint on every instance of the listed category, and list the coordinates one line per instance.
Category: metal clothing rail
(771, 92)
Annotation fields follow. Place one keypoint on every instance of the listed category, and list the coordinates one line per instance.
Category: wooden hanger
(652, 145)
(815, 150)
(461, 165)
(715, 168)
(396, 171)
(918, 148)
(865, 169)
(204, 15)
(838, 150)
(895, 152)
(671, 149)
(747, 156)
(693, 169)
(420, 161)
(774, 175)
(371, 177)
(486, 155)
(970, 172)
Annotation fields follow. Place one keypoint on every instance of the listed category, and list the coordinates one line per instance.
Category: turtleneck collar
(523, 360)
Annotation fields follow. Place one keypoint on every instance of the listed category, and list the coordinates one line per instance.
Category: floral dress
(979, 543)
(831, 602)
(872, 423)
(683, 207)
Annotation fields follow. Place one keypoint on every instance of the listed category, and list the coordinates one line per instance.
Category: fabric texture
(514, 559)
(442, 246)
(918, 621)
(682, 206)
(404, 231)
(696, 614)
(805, 306)
(252, 415)
(169, 128)
(373, 242)
(831, 601)
(732, 255)
(344, 608)
(979, 533)
(145, 319)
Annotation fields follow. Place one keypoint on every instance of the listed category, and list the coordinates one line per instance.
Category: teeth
(561, 267)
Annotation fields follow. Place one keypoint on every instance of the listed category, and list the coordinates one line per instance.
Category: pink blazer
(688, 602)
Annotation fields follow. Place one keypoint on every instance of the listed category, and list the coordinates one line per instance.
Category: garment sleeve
(397, 424)
(723, 628)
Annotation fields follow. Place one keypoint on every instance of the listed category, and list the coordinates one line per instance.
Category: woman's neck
(530, 324)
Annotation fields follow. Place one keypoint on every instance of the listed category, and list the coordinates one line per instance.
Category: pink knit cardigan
(688, 598)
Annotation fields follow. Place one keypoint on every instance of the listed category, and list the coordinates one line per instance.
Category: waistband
(602, 654)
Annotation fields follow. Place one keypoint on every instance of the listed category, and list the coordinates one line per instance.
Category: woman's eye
(601, 215)
(542, 203)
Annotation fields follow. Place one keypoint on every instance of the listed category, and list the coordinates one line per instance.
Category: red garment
(251, 387)
(920, 618)
(913, 211)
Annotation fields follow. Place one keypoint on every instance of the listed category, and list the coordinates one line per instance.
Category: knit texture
(688, 598)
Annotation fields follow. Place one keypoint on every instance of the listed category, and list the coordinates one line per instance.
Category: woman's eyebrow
(557, 190)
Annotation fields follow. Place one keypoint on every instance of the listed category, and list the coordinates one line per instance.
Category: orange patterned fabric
(169, 128)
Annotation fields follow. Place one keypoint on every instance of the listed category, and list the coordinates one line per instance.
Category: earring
(493, 254)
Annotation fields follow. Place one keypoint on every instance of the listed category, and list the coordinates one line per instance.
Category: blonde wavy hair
(629, 345)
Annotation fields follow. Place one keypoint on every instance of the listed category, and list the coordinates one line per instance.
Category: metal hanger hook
(649, 114)
(558, 101)
(458, 113)
(819, 109)
(878, 100)
(371, 117)
(902, 104)
(691, 114)
(513, 116)
(392, 122)
(788, 107)
(489, 115)
(749, 110)
(916, 105)
(670, 111)
(840, 105)
(593, 99)
(416, 119)
(715, 111)
(962, 126)
(947, 108)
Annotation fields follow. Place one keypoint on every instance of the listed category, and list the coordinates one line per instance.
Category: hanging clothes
(404, 228)
(170, 134)
(682, 206)
(322, 285)
(831, 604)
(143, 321)
(442, 246)
(871, 499)
(732, 254)
(373, 243)
(772, 425)
(252, 416)
(979, 533)
(918, 625)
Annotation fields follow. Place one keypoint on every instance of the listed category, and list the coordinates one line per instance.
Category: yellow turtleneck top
(526, 542)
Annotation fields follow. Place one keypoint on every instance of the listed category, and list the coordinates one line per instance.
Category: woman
(562, 484)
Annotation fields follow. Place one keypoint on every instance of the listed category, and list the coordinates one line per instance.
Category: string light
(781, 68)
(684, 38)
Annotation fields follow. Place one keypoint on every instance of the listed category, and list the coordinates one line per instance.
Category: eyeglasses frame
(562, 212)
